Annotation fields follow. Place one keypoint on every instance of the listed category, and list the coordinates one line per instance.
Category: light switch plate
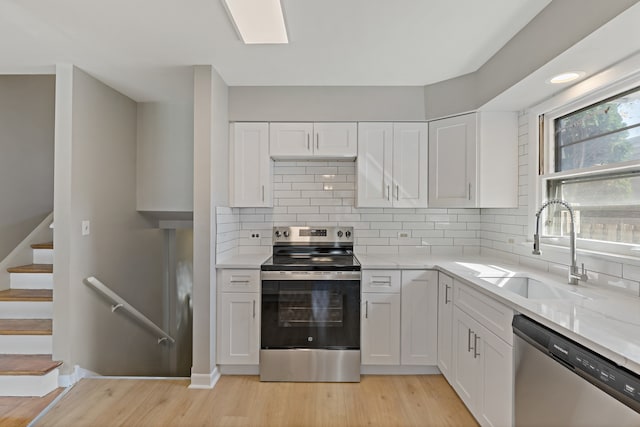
(86, 227)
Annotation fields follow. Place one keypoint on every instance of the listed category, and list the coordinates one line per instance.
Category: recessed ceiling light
(567, 77)
(258, 21)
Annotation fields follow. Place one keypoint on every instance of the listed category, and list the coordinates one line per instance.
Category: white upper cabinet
(392, 165)
(313, 140)
(251, 168)
(473, 161)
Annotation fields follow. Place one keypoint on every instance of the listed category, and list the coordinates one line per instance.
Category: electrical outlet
(511, 241)
(86, 227)
(403, 234)
(255, 236)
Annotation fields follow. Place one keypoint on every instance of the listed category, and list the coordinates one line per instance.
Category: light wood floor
(423, 400)
(19, 411)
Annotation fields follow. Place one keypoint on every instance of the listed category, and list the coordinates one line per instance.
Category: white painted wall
(95, 179)
(326, 103)
(211, 183)
(26, 155)
(554, 30)
(165, 157)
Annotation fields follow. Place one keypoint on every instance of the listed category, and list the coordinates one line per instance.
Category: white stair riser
(26, 344)
(28, 385)
(31, 280)
(43, 256)
(26, 310)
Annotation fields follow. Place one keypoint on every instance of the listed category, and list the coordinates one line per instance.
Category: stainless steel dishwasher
(558, 382)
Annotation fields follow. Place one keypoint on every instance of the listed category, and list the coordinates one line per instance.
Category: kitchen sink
(531, 288)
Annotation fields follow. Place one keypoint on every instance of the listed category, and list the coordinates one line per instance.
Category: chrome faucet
(574, 273)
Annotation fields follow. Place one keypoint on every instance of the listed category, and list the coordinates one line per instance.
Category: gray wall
(165, 157)
(211, 183)
(95, 179)
(326, 103)
(554, 30)
(26, 156)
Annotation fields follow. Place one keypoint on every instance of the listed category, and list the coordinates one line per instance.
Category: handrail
(119, 302)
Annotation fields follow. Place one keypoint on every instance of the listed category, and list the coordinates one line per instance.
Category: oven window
(310, 314)
(310, 308)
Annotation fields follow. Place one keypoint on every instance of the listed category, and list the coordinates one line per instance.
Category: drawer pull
(446, 294)
(366, 309)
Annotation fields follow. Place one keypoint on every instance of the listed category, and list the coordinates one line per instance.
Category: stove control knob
(348, 234)
(278, 233)
(286, 234)
(339, 233)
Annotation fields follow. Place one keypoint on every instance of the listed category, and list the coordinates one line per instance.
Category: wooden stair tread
(26, 295)
(27, 364)
(32, 268)
(25, 326)
(47, 245)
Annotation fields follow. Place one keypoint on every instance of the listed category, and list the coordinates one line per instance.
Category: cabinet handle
(254, 309)
(446, 294)
(397, 192)
(475, 346)
(239, 281)
(366, 309)
(381, 282)
(318, 141)
(263, 193)
(308, 142)
(388, 193)
(469, 332)
(469, 191)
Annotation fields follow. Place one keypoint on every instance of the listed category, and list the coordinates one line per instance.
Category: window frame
(541, 122)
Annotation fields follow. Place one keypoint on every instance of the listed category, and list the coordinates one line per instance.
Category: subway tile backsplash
(320, 193)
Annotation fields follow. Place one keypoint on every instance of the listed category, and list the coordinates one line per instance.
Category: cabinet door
(495, 400)
(290, 140)
(453, 162)
(419, 318)
(335, 140)
(239, 328)
(251, 167)
(410, 174)
(380, 329)
(374, 164)
(445, 321)
(466, 367)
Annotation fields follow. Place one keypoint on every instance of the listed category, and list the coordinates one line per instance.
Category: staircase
(26, 310)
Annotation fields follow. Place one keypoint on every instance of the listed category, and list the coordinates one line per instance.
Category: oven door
(307, 310)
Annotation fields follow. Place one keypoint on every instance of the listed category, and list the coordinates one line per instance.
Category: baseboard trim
(67, 380)
(398, 370)
(239, 369)
(205, 381)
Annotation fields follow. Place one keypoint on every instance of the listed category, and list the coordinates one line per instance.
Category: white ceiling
(144, 47)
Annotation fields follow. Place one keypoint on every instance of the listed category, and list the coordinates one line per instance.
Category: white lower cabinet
(482, 370)
(238, 326)
(399, 317)
(445, 325)
(380, 329)
(419, 318)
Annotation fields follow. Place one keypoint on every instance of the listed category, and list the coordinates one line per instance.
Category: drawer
(386, 281)
(236, 280)
(487, 311)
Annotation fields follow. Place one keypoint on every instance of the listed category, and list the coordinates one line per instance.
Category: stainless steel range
(310, 329)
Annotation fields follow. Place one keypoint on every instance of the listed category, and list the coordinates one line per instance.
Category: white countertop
(607, 321)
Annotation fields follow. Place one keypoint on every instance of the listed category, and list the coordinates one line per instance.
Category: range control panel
(313, 235)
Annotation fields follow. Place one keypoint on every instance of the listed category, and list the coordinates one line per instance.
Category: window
(594, 153)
